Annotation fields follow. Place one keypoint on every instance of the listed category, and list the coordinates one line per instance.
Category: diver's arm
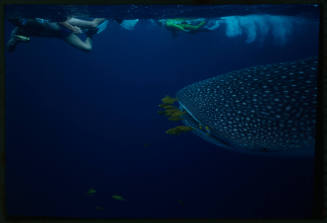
(180, 27)
(74, 29)
(201, 24)
(194, 27)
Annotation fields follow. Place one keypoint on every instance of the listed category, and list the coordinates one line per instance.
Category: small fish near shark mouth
(266, 108)
(202, 130)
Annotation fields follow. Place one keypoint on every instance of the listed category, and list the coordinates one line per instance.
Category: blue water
(78, 120)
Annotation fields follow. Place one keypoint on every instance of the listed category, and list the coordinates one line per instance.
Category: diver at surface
(66, 30)
(189, 25)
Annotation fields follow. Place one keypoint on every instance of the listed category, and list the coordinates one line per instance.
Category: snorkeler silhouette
(66, 30)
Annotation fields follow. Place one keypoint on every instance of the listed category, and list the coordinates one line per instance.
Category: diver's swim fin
(102, 26)
(22, 38)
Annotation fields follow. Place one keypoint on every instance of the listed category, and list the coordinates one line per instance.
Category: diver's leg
(76, 42)
(14, 31)
(13, 41)
(84, 23)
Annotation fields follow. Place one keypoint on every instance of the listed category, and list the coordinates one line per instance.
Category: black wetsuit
(40, 27)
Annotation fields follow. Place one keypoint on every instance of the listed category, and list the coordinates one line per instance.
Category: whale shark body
(266, 108)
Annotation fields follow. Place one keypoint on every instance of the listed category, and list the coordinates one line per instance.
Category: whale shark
(265, 108)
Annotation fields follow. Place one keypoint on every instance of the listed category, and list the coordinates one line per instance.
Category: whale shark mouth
(190, 119)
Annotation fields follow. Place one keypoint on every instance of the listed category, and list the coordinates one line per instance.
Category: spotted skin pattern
(263, 108)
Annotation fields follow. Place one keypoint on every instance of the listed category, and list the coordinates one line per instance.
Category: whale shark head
(267, 108)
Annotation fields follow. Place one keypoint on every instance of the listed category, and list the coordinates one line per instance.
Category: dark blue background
(78, 120)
